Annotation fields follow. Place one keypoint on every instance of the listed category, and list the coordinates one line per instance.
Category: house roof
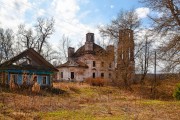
(73, 63)
(97, 50)
(31, 53)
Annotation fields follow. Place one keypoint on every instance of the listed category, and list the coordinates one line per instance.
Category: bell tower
(125, 56)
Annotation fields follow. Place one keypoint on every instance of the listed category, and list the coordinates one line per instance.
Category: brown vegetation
(90, 102)
(96, 81)
(36, 87)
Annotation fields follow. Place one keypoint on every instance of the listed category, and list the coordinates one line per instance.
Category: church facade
(89, 61)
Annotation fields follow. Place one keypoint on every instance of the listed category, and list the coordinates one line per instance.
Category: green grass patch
(88, 91)
(152, 102)
(176, 102)
(79, 115)
(66, 115)
(120, 117)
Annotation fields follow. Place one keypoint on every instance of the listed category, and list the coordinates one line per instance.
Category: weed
(176, 93)
(67, 115)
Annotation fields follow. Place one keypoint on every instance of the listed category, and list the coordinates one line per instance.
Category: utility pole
(155, 68)
(154, 85)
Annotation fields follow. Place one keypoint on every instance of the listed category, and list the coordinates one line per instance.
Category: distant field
(84, 102)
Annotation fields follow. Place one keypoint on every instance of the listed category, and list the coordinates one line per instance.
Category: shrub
(96, 81)
(176, 93)
(57, 91)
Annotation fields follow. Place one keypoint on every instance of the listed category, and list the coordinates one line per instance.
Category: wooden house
(26, 68)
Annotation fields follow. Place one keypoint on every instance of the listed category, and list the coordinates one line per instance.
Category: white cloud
(67, 21)
(66, 9)
(12, 13)
(84, 14)
(41, 12)
(65, 13)
(84, 1)
(111, 6)
(142, 12)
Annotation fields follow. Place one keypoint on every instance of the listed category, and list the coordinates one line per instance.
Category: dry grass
(164, 89)
(91, 103)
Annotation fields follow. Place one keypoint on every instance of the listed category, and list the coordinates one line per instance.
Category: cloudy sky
(73, 18)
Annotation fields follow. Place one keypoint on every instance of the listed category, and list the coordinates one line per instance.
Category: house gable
(29, 59)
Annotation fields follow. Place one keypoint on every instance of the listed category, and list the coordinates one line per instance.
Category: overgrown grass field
(84, 102)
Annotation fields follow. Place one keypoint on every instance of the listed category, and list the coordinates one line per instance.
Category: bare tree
(104, 42)
(167, 23)
(144, 57)
(38, 38)
(80, 44)
(28, 40)
(44, 29)
(64, 44)
(170, 54)
(124, 20)
(6, 44)
(49, 53)
(167, 18)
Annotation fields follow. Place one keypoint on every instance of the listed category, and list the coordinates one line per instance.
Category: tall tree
(27, 38)
(124, 20)
(167, 23)
(64, 44)
(144, 56)
(170, 54)
(168, 14)
(44, 29)
(49, 53)
(6, 44)
(37, 38)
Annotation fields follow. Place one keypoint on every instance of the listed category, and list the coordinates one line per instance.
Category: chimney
(70, 53)
(89, 42)
(90, 37)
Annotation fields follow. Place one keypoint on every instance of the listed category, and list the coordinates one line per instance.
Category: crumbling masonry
(125, 58)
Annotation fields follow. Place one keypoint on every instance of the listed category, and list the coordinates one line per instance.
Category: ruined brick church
(92, 61)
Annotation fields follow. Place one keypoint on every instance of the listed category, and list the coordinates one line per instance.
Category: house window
(110, 65)
(94, 64)
(109, 75)
(102, 75)
(61, 74)
(94, 75)
(43, 79)
(72, 75)
(14, 78)
(102, 64)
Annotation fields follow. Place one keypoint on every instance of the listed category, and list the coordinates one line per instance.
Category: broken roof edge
(77, 64)
(30, 50)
